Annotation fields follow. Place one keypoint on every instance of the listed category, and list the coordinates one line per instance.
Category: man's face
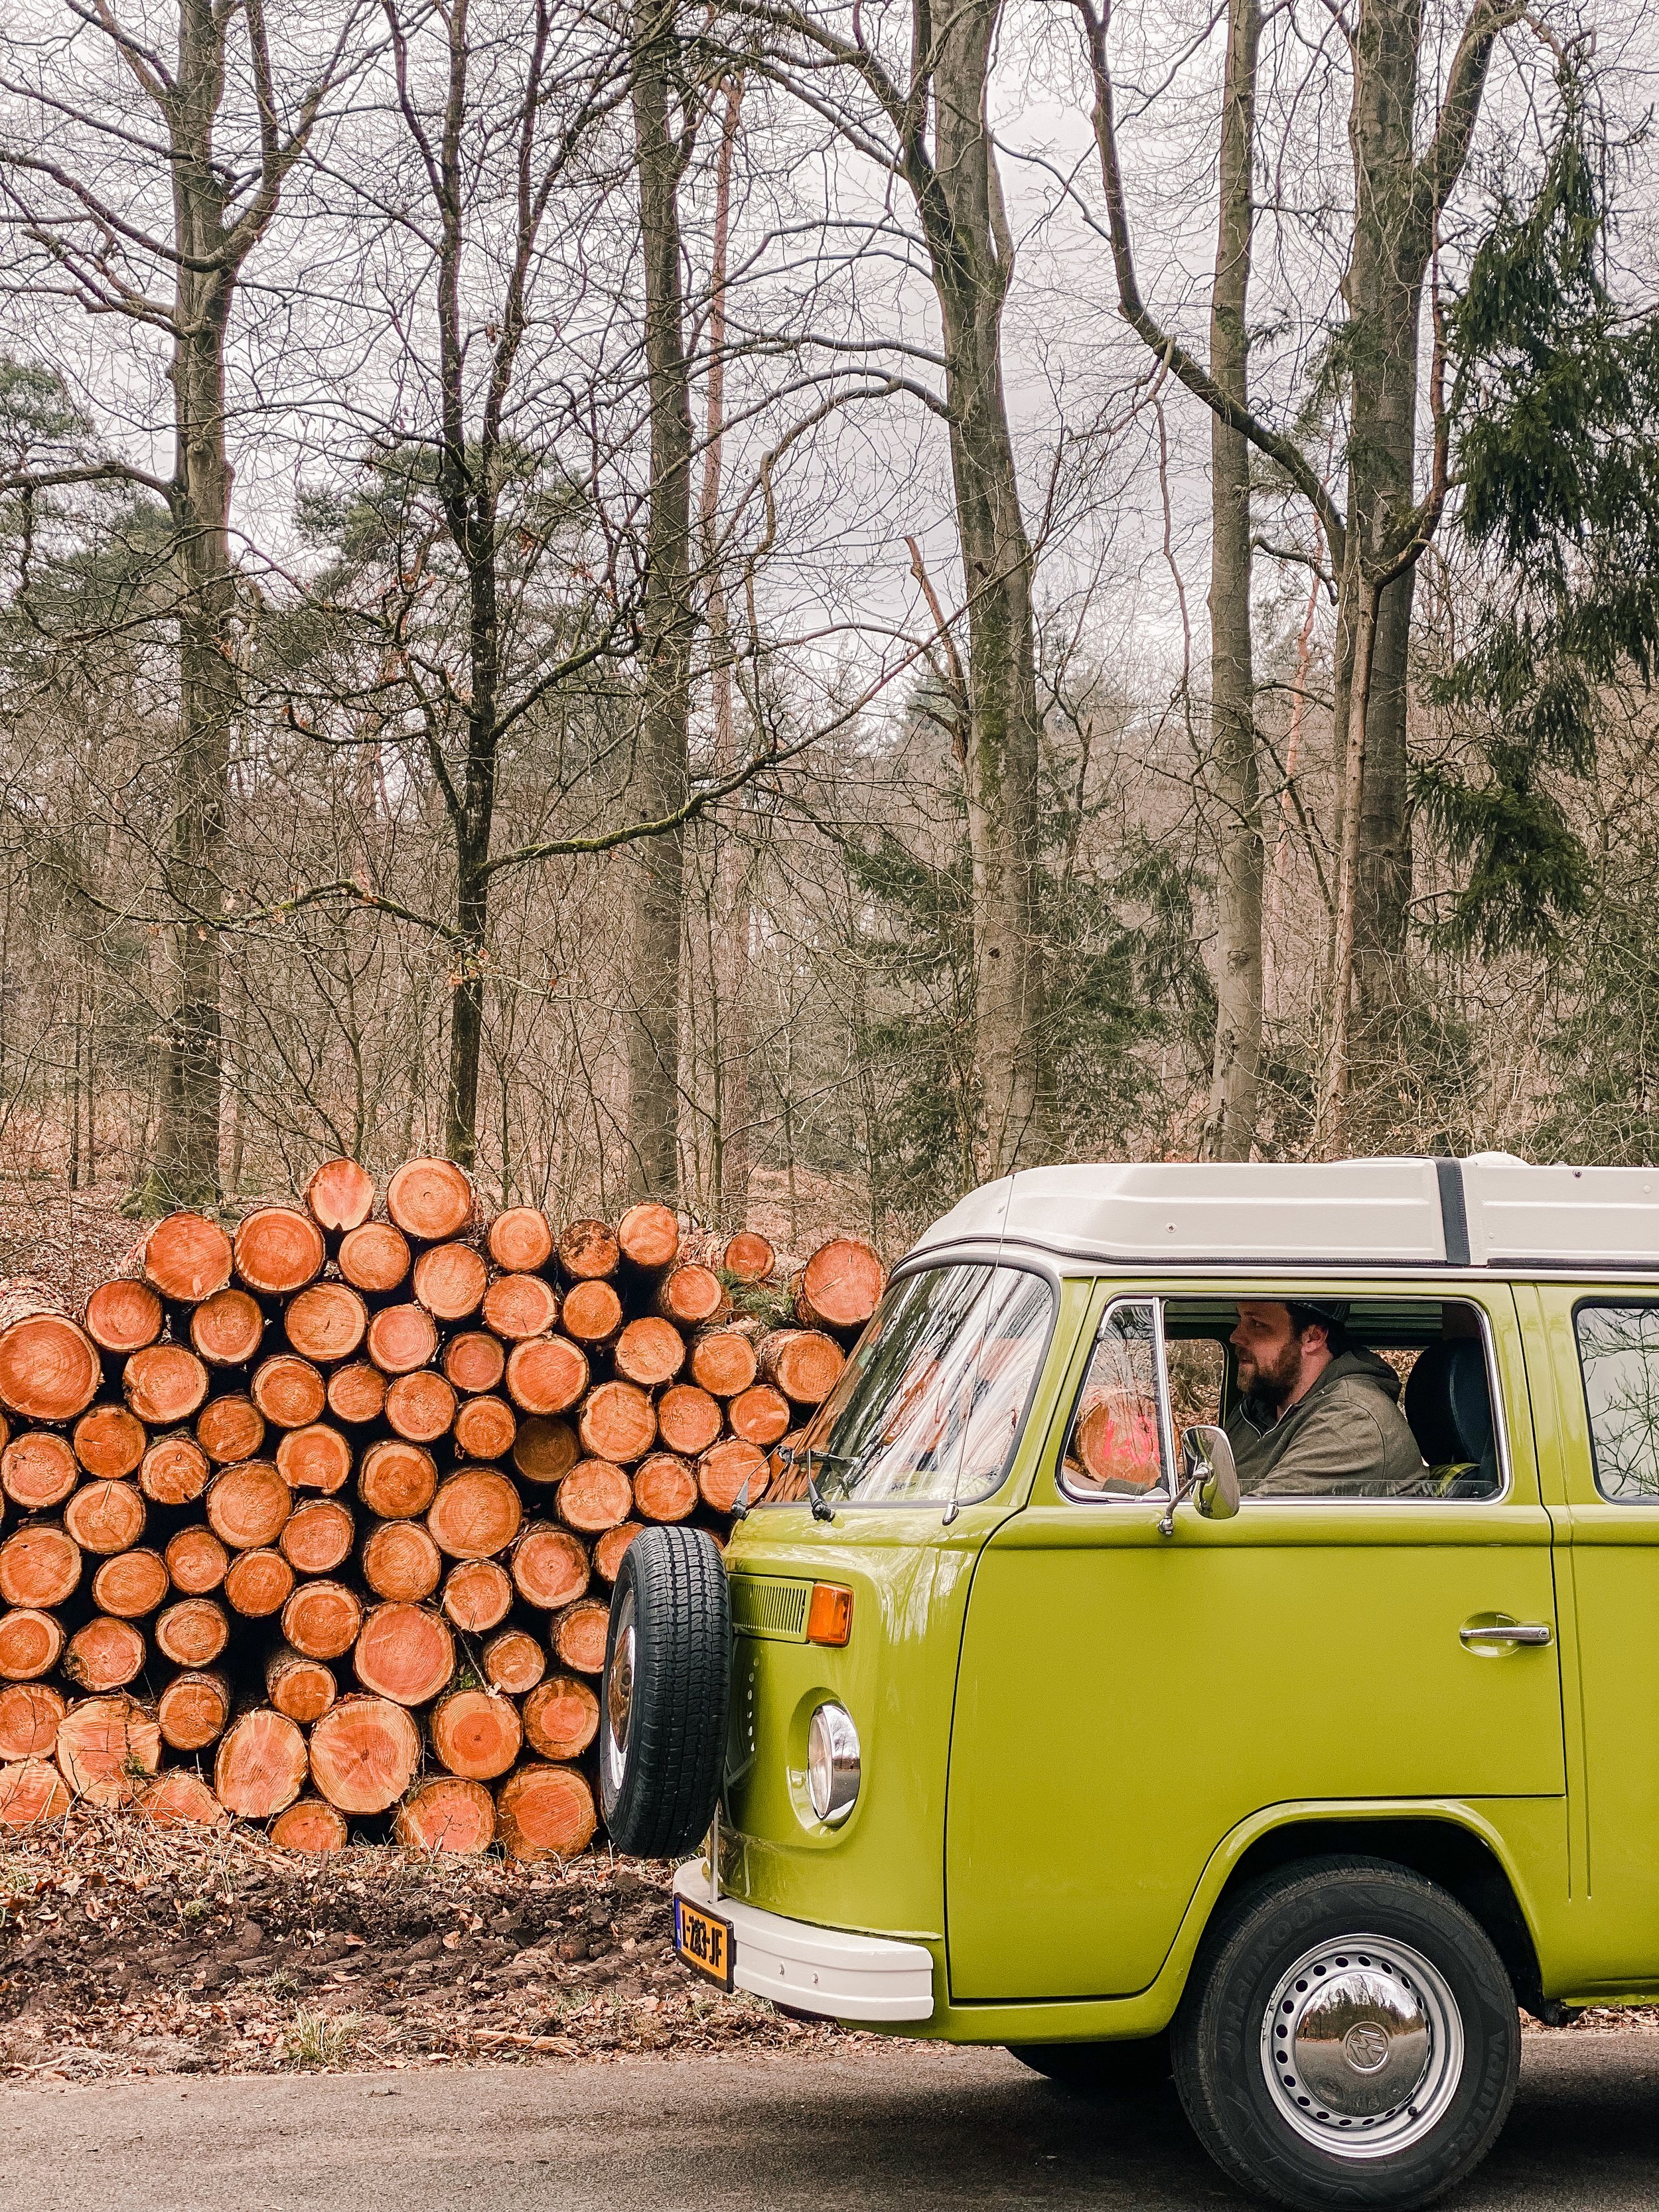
(1269, 1350)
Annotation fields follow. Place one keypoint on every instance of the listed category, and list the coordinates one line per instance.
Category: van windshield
(929, 1406)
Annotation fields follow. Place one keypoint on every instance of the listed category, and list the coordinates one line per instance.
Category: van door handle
(1486, 1636)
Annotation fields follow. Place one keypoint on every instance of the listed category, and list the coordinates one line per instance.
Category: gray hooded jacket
(1346, 1439)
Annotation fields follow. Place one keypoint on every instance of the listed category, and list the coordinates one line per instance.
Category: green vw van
(1024, 1709)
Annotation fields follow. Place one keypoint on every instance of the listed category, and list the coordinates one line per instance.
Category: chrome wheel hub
(619, 1697)
(1362, 2045)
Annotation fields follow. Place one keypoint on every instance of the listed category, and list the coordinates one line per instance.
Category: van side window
(1116, 1447)
(1619, 1353)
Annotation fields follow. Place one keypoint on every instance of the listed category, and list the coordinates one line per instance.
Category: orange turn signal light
(829, 1616)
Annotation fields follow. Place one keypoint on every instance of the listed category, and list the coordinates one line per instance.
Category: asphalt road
(904, 2129)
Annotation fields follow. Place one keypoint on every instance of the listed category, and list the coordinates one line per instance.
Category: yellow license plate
(704, 1944)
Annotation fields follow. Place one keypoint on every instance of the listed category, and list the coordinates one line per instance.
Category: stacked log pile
(315, 1522)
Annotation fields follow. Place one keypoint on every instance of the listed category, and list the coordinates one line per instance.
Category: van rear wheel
(1349, 2037)
(1127, 2066)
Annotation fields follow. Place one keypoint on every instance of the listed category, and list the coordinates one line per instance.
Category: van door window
(1618, 1354)
(1115, 1445)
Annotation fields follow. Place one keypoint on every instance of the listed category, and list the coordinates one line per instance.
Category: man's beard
(1272, 1386)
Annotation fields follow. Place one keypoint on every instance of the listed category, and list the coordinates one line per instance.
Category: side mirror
(1208, 1477)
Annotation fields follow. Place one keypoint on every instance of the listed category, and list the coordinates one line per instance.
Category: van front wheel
(1349, 2037)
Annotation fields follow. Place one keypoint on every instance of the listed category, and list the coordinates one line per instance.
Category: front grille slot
(775, 1609)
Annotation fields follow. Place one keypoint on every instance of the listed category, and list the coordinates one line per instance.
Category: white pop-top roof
(1491, 1209)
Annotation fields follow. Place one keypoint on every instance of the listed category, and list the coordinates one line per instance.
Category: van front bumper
(818, 1970)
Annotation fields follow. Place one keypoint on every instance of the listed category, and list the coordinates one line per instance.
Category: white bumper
(820, 1969)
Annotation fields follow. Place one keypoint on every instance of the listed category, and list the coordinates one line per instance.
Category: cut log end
(164, 1384)
(748, 1258)
(226, 1329)
(578, 1636)
(32, 1791)
(175, 1472)
(545, 1812)
(401, 1339)
(404, 1652)
(593, 1315)
(181, 1799)
(421, 1407)
(609, 1549)
(689, 1419)
(106, 1654)
(364, 1754)
(106, 1516)
(546, 1376)
(197, 1562)
(475, 1360)
(545, 1451)
(356, 1392)
(520, 1240)
(31, 1644)
(318, 1536)
(289, 1391)
(692, 1296)
(50, 1368)
(106, 1747)
(617, 1422)
(247, 1505)
(475, 1514)
(760, 1415)
(724, 1363)
(39, 1565)
(374, 1258)
(596, 1495)
(430, 1199)
(321, 1619)
(186, 1258)
(396, 1480)
(122, 1317)
(131, 1585)
(723, 1471)
(340, 1195)
(260, 1765)
(478, 1596)
(278, 1250)
(325, 1324)
(803, 1363)
(841, 1284)
(400, 1560)
(193, 1711)
(549, 1566)
(649, 1237)
(450, 1281)
(447, 1814)
(649, 1351)
(109, 1441)
(314, 1458)
(301, 1688)
(258, 1583)
(485, 1428)
(518, 1307)
(310, 1825)
(229, 1429)
(561, 1718)
(193, 1632)
(513, 1661)
(29, 1714)
(476, 1734)
(588, 1252)
(37, 1469)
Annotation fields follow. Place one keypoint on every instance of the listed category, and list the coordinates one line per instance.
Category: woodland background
(786, 606)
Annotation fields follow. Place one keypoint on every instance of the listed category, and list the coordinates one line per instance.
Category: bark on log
(131, 1584)
(192, 1633)
(513, 1661)
(476, 1513)
(375, 1258)
(691, 1297)
(104, 1655)
(164, 1384)
(340, 1195)
(450, 1281)
(364, 1754)
(197, 1562)
(325, 1324)
(748, 1258)
(357, 1393)
(664, 1487)
(229, 1429)
(476, 1734)
(400, 1560)
(840, 1285)
(318, 1536)
(723, 1363)
(544, 1451)
(446, 1815)
(321, 1619)
(31, 1644)
(175, 1472)
(50, 1368)
(596, 1495)
(561, 1718)
(723, 1470)
(803, 1363)
(545, 1812)
(485, 1428)
(478, 1596)
(579, 1635)
(260, 1765)
(689, 1419)
(315, 1458)
(186, 1258)
(404, 1652)
(301, 1688)
(289, 1391)
(193, 1711)
(396, 1480)
(521, 1240)
(549, 1566)
(123, 1318)
(475, 1360)
(593, 1315)
(608, 1549)
(39, 1565)
(401, 1339)
(109, 1441)
(310, 1824)
(617, 1422)
(518, 1307)
(547, 1375)
(226, 1329)
(278, 1250)
(649, 1351)
(588, 1252)
(257, 1583)
(181, 1799)
(37, 1469)
(105, 1747)
(760, 1416)
(420, 1407)
(247, 1505)
(32, 1791)
(29, 1714)
(106, 1516)
(649, 1237)
(430, 1199)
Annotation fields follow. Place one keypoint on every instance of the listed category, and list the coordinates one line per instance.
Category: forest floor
(128, 1952)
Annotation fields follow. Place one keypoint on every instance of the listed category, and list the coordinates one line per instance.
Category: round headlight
(832, 1763)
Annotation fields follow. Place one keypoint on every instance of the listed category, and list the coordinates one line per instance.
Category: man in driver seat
(1318, 1416)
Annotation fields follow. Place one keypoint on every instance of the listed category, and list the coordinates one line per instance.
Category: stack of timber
(314, 1521)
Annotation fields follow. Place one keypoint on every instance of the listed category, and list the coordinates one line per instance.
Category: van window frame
(1161, 1490)
(1603, 1303)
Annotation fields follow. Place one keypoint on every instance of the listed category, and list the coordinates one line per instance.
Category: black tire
(1125, 2071)
(1238, 1988)
(664, 1695)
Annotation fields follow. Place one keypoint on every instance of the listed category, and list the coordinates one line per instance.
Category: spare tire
(663, 1699)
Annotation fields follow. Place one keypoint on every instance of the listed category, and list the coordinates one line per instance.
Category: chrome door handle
(1505, 1632)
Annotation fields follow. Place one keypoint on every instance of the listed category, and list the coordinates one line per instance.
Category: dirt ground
(127, 1951)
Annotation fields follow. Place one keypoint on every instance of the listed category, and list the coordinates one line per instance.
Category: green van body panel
(1073, 1728)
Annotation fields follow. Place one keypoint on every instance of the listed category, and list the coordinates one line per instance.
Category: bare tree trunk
(1230, 1128)
(660, 769)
